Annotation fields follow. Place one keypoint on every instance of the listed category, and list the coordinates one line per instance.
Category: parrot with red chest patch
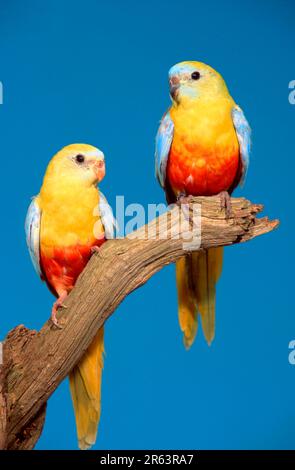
(202, 149)
(67, 221)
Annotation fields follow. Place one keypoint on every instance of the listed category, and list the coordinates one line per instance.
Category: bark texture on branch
(3, 403)
(36, 362)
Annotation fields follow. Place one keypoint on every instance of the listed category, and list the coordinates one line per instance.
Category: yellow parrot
(202, 149)
(63, 227)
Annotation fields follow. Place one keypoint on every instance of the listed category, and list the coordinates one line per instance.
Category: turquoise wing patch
(243, 131)
(107, 218)
(163, 144)
(32, 228)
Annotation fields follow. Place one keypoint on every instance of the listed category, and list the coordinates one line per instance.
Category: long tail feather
(207, 266)
(197, 275)
(85, 386)
(187, 310)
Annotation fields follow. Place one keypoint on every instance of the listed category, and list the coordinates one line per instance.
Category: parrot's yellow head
(76, 165)
(193, 80)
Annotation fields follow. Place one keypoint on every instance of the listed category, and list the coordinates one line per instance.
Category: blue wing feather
(32, 228)
(163, 144)
(243, 131)
(108, 220)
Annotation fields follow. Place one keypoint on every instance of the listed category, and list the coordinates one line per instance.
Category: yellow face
(193, 80)
(78, 164)
(69, 197)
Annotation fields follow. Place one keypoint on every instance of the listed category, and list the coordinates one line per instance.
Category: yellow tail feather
(207, 270)
(187, 310)
(85, 386)
(196, 276)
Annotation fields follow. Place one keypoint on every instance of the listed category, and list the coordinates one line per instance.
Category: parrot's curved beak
(174, 84)
(99, 169)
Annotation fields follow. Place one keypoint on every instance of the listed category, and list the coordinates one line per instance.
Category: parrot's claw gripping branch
(225, 203)
(35, 363)
(59, 303)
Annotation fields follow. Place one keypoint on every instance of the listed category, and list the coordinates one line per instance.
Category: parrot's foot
(57, 304)
(184, 199)
(94, 249)
(225, 204)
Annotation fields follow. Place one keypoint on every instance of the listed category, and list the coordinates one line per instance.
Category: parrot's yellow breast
(69, 217)
(204, 156)
(70, 228)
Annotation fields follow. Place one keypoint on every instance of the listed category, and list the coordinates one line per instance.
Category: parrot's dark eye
(195, 75)
(80, 158)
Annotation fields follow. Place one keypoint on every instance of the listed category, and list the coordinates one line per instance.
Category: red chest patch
(200, 172)
(62, 269)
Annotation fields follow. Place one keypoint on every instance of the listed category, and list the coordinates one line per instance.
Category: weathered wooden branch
(36, 362)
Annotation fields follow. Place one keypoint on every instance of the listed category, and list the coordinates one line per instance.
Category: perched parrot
(202, 149)
(67, 221)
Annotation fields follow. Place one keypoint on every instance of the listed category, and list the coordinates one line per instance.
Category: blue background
(96, 72)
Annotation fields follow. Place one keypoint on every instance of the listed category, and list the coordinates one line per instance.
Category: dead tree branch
(36, 362)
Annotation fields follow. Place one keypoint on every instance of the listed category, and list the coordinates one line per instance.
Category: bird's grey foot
(183, 199)
(57, 304)
(184, 202)
(225, 204)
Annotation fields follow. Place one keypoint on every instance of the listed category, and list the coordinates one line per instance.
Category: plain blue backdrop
(96, 72)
